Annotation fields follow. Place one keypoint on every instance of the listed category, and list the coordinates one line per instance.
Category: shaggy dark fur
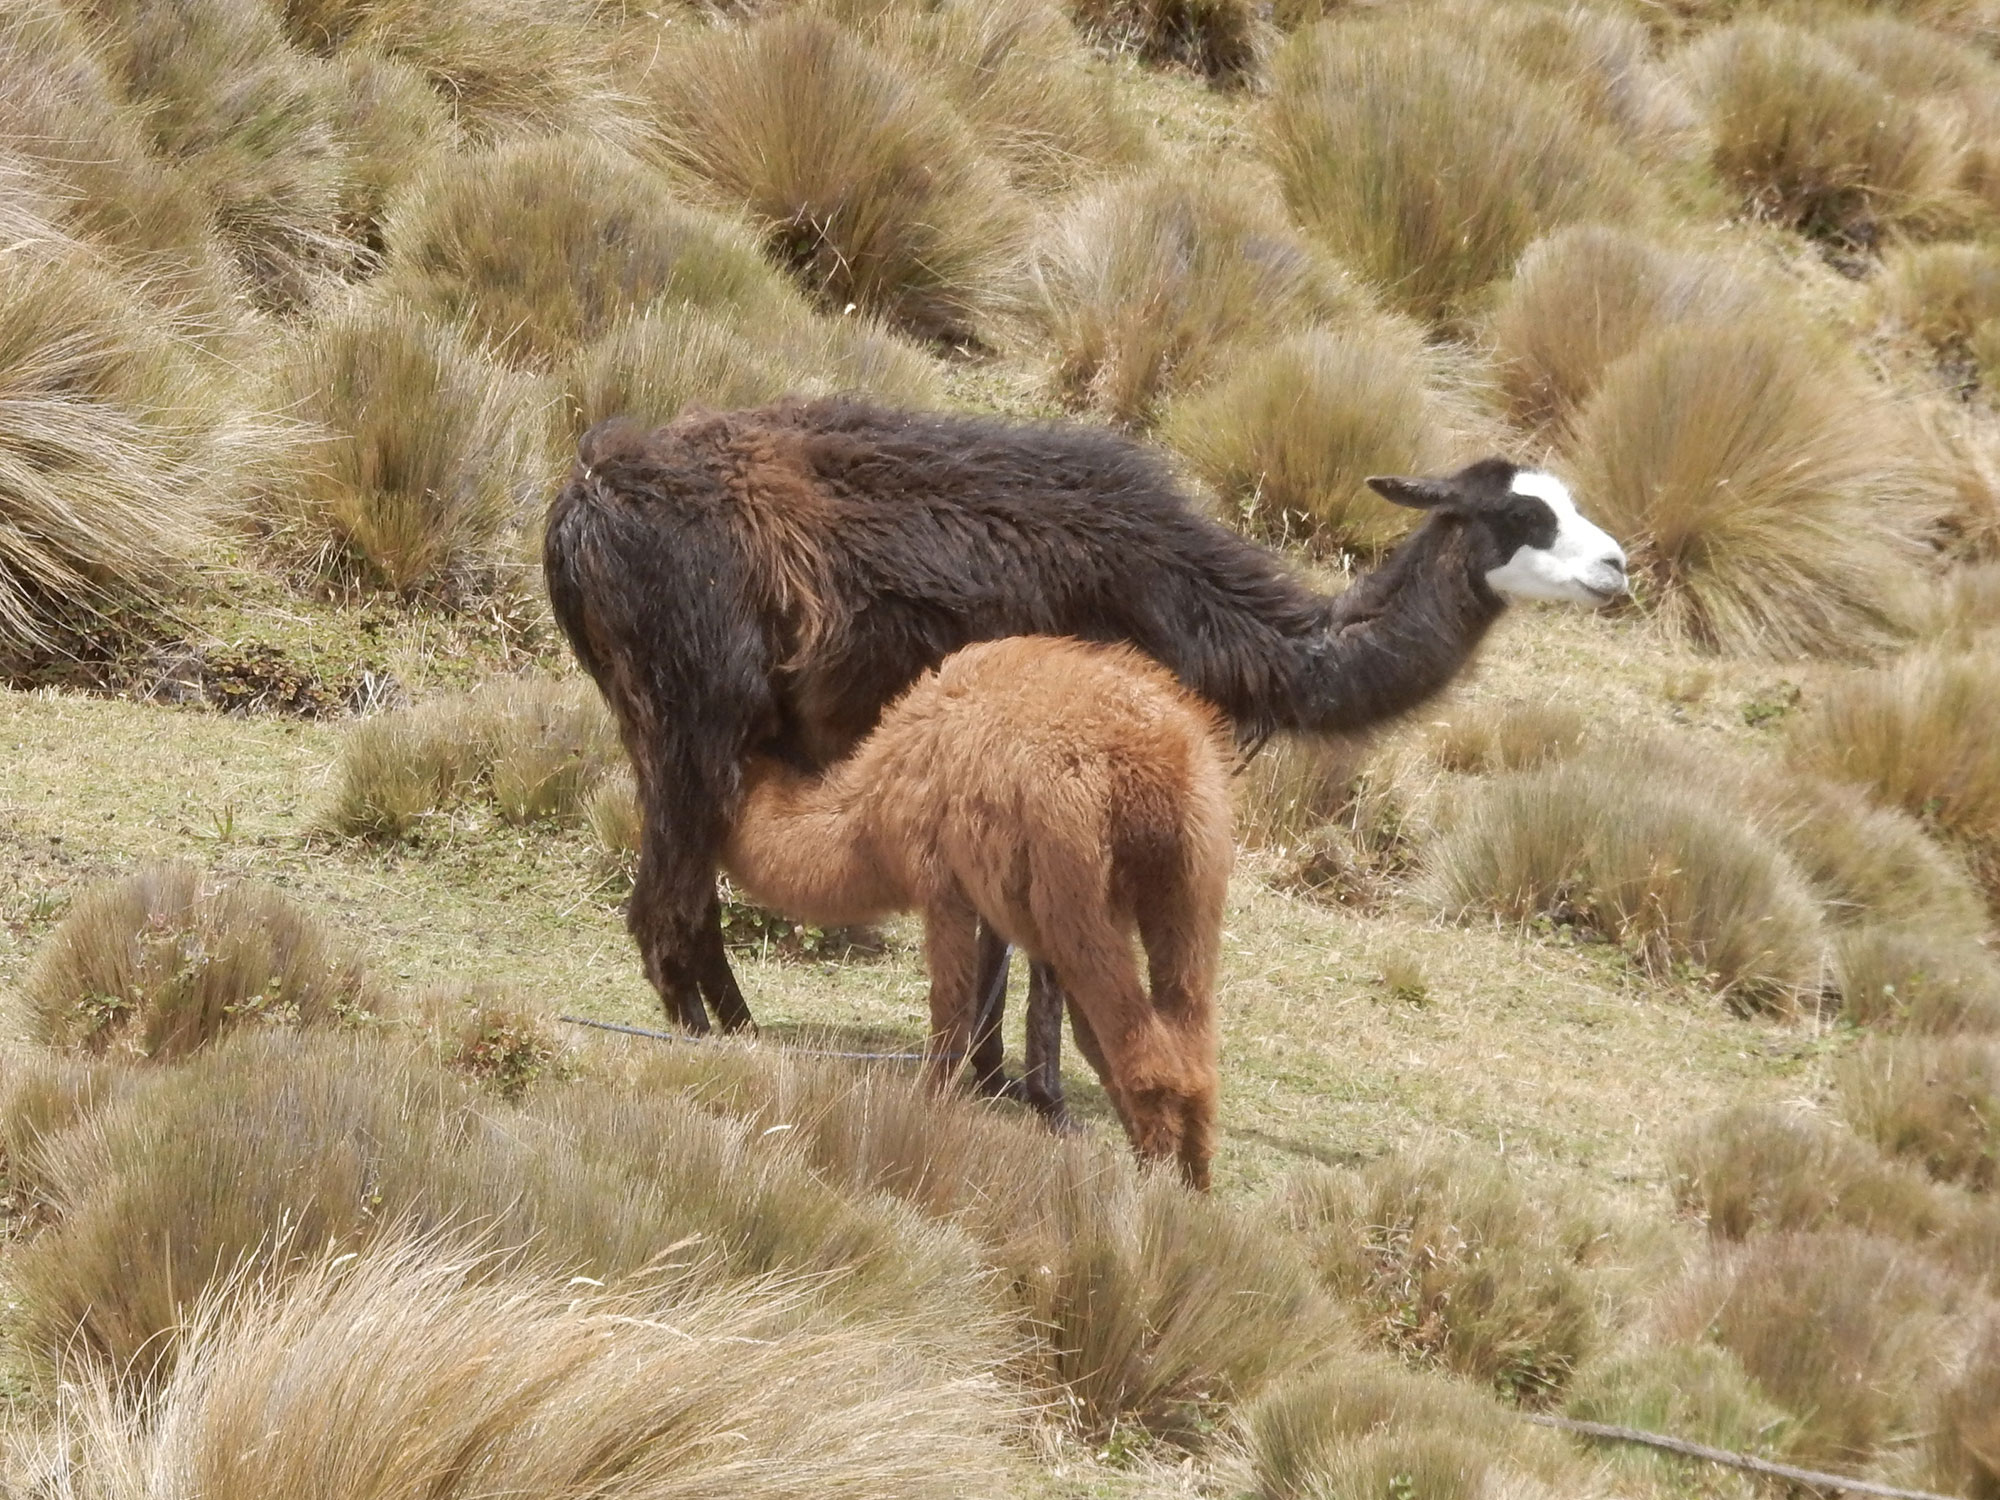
(771, 579)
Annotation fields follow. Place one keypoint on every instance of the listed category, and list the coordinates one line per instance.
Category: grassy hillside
(1619, 1038)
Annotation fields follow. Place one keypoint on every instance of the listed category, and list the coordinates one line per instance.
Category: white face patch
(1583, 565)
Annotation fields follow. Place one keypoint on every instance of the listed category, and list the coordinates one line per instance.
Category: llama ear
(1418, 494)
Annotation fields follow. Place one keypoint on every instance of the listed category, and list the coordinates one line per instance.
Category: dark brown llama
(1068, 795)
(770, 579)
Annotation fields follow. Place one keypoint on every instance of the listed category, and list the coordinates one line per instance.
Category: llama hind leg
(1041, 1080)
(951, 953)
(989, 1075)
(665, 923)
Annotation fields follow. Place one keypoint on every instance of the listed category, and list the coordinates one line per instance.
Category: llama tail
(591, 545)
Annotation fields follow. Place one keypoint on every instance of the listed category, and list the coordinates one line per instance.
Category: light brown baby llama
(1071, 795)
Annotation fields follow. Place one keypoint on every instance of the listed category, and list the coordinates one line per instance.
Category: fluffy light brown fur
(1070, 794)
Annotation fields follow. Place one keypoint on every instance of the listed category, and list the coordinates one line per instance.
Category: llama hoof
(1059, 1122)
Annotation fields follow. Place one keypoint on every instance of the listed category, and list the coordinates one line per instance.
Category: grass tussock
(118, 451)
(1223, 40)
(393, 125)
(507, 68)
(1428, 166)
(1622, 846)
(1015, 71)
(250, 124)
(860, 180)
(249, 1160)
(1767, 1169)
(542, 245)
(1917, 734)
(164, 962)
(1582, 298)
(537, 747)
(1512, 736)
(1455, 1266)
(62, 110)
(654, 364)
(1948, 295)
(1845, 1332)
(1693, 1391)
(1964, 1456)
(611, 813)
(1932, 1100)
(1759, 485)
(1149, 1307)
(420, 459)
(1290, 435)
(1812, 141)
(1145, 285)
(1910, 979)
(523, 1385)
(1364, 1428)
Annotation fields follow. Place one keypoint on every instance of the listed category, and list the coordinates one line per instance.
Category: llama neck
(1395, 639)
(801, 846)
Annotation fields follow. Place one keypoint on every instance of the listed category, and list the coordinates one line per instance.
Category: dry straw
(1146, 285)
(1428, 166)
(119, 450)
(860, 180)
(523, 1385)
(167, 960)
(1932, 1100)
(1223, 40)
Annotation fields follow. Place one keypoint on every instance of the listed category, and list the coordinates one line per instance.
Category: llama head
(1531, 541)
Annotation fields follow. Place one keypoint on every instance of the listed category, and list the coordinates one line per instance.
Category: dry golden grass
(1583, 297)
(1017, 73)
(1813, 142)
(1223, 40)
(1428, 166)
(506, 67)
(1452, 1264)
(250, 125)
(1964, 1456)
(527, 1386)
(1918, 734)
(1953, 82)
(611, 812)
(1913, 979)
(393, 124)
(60, 109)
(1363, 1428)
(1291, 433)
(253, 1157)
(119, 450)
(1149, 1307)
(538, 747)
(860, 180)
(1509, 735)
(1760, 485)
(1630, 847)
(545, 244)
(1932, 1100)
(654, 364)
(1947, 295)
(162, 963)
(1145, 285)
(1846, 1332)
(1768, 1169)
(422, 459)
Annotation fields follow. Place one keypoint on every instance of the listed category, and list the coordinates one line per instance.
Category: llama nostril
(1616, 563)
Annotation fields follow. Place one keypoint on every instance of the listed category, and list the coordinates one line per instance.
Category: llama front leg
(989, 1076)
(1041, 1080)
(951, 953)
